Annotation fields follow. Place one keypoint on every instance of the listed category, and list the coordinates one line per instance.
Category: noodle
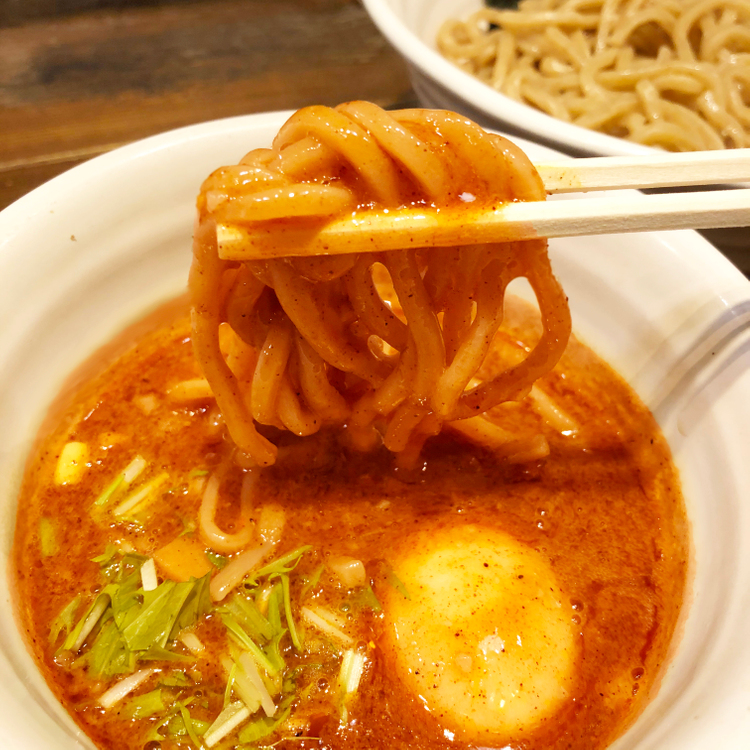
(383, 343)
(668, 73)
(210, 532)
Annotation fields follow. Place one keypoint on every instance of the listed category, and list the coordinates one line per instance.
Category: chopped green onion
(86, 624)
(250, 668)
(145, 706)
(352, 668)
(230, 682)
(124, 687)
(107, 556)
(175, 679)
(247, 613)
(64, 621)
(71, 463)
(108, 491)
(218, 561)
(237, 632)
(312, 581)
(126, 477)
(396, 582)
(285, 564)
(189, 725)
(274, 606)
(263, 727)
(48, 537)
(246, 689)
(188, 526)
(198, 473)
(288, 612)
(192, 643)
(138, 499)
(327, 623)
(134, 469)
(149, 580)
(226, 722)
(366, 599)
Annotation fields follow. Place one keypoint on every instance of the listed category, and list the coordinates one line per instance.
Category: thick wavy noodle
(387, 344)
(668, 73)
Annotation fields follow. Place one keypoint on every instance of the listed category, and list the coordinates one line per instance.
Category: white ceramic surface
(411, 26)
(96, 248)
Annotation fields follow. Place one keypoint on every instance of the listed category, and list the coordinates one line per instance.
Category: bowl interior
(101, 245)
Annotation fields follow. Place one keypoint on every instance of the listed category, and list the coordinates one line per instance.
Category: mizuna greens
(143, 644)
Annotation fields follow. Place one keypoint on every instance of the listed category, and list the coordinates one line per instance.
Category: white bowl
(97, 247)
(411, 26)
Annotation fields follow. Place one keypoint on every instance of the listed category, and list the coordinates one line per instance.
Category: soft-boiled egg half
(485, 638)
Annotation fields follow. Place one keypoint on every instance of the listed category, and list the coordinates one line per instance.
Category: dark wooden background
(80, 77)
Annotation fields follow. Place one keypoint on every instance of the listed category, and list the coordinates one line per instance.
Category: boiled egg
(479, 630)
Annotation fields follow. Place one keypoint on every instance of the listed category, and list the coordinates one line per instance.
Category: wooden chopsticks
(374, 231)
(660, 170)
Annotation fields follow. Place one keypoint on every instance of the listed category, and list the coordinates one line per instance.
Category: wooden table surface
(80, 77)
(76, 84)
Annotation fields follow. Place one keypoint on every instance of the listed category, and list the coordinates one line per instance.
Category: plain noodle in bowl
(675, 75)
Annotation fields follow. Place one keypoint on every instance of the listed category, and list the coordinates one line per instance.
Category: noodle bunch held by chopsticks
(299, 343)
(668, 73)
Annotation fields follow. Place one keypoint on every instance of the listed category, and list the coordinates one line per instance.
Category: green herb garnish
(243, 639)
(264, 726)
(396, 582)
(284, 564)
(218, 561)
(247, 613)
(288, 613)
(126, 624)
(64, 621)
(145, 706)
(365, 598)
